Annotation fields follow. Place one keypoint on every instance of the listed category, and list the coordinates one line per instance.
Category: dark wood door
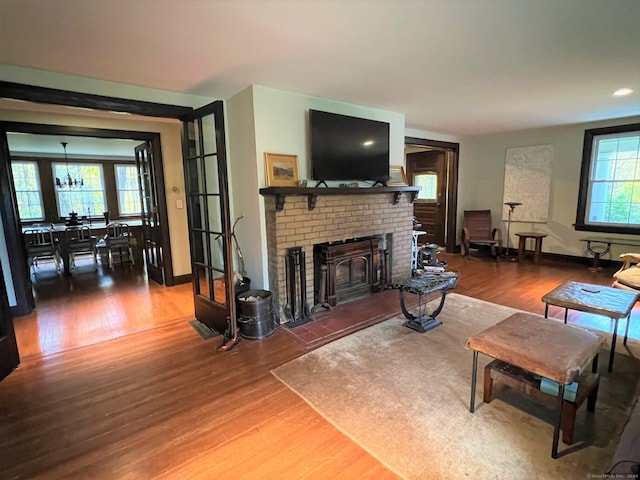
(427, 169)
(9, 358)
(206, 184)
(151, 220)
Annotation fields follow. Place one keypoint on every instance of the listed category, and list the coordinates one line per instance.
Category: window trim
(583, 193)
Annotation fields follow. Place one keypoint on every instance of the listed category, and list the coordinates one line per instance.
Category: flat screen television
(348, 148)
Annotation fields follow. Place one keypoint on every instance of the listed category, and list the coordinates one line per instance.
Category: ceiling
(456, 67)
(85, 147)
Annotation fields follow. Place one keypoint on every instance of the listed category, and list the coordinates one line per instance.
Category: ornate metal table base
(422, 285)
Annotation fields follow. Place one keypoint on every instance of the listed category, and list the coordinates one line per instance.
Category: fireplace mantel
(312, 193)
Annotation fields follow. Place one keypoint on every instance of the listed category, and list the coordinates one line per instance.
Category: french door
(206, 184)
(151, 220)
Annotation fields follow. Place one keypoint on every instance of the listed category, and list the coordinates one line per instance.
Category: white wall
(481, 181)
(280, 123)
(243, 183)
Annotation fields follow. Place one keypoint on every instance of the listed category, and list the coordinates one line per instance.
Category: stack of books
(551, 387)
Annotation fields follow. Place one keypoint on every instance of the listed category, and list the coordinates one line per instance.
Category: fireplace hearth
(351, 268)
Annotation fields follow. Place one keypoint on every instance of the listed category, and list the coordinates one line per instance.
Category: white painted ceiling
(451, 66)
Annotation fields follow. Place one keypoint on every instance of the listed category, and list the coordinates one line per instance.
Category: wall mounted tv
(348, 148)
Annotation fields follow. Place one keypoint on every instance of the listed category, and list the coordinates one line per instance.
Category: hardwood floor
(114, 382)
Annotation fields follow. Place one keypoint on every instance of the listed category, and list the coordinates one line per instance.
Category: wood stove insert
(351, 269)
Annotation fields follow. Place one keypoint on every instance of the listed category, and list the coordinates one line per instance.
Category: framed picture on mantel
(396, 176)
(281, 170)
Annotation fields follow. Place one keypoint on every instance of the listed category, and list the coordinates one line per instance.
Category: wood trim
(452, 165)
(32, 93)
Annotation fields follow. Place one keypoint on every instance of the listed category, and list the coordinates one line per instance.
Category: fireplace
(305, 217)
(351, 268)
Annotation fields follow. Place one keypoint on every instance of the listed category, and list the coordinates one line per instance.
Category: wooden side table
(523, 243)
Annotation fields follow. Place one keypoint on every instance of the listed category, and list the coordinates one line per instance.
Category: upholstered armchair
(478, 232)
(628, 277)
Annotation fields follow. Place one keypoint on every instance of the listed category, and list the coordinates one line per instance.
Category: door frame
(451, 172)
(43, 95)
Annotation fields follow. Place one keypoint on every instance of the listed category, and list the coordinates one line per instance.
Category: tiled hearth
(295, 222)
(347, 318)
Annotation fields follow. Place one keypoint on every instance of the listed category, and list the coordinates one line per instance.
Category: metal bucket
(256, 320)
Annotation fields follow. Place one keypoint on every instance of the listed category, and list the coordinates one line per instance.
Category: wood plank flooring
(114, 383)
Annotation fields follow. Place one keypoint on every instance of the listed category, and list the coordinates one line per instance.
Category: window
(28, 192)
(429, 184)
(609, 198)
(86, 200)
(128, 191)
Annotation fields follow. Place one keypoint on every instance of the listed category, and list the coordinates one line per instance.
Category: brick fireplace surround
(334, 217)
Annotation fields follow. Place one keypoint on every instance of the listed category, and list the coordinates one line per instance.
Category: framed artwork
(396, 176)
(281, 170)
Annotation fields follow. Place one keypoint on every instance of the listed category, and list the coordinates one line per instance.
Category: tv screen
(348, 148)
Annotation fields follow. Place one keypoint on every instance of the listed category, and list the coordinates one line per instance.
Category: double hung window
(128, 192)
(609, 199)
(87, 200)
(28, 192)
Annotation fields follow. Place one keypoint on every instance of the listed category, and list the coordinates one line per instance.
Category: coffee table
(585, 297)
(561, 353)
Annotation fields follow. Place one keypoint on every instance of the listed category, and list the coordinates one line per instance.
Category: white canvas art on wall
(527, 179)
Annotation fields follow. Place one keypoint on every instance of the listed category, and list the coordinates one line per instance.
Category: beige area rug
(404, 397)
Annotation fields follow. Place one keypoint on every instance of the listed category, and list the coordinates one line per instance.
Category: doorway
(81, 134)
(433, 165)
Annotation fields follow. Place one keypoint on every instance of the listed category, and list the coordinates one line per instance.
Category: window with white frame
(28, 192)
(89, 199)
(610, 182)
(128, 191)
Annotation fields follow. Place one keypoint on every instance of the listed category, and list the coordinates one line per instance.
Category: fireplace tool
(297, 309)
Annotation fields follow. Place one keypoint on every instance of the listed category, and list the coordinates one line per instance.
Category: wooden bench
(601, 250)
(528, 383)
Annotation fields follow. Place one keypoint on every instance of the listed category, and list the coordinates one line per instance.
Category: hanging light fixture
(69, 182)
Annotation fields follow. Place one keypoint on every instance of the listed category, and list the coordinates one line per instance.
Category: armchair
(628, 277)
(478, 232)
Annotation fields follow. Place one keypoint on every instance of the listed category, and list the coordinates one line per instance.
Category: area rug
(404, 397)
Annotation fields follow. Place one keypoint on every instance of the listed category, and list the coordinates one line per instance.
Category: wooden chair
(41, 244)
(120, 241)
(80, 241)
(478, 233)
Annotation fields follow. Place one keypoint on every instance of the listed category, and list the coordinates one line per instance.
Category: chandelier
(68, 181)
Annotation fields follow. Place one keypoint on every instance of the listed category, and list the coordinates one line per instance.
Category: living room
(273, 118)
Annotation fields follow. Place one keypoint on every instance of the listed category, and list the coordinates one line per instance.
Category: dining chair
(79, 241)
(120, 241)
(41, 244)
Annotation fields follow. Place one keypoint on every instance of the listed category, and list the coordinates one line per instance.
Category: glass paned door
(151, 219)
(205, 164)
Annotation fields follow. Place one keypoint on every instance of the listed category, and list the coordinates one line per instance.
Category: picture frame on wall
(397, 176)
(281, 170)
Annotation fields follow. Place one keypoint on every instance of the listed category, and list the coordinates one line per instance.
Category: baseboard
(182, 279)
